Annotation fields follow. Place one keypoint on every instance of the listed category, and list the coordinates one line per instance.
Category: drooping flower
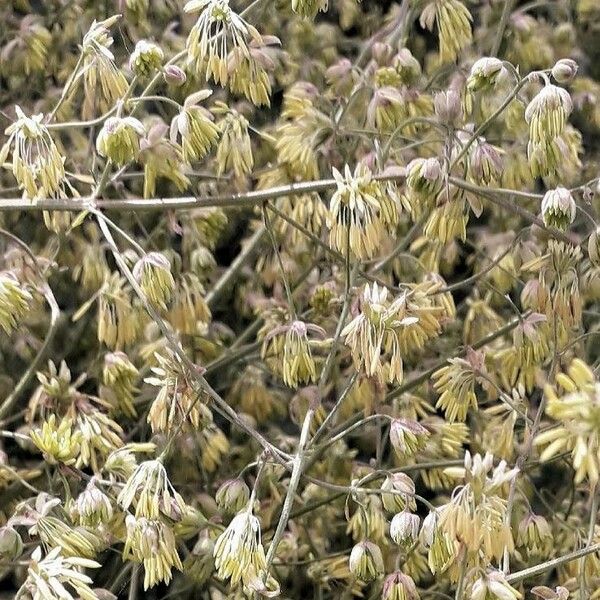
(149, 490)
(37, 164)
(360, 212)
(104, 84)
(153, 273)
(453, 21)
(217, 29)
(366, 561)
(195, 126)
(119, 139)
(376, 331)
(297, 362)
(15, 301)
(239, 553)
(558, 208)
(547, 116)
(152, 543)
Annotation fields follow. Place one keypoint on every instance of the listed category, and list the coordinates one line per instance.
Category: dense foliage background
(299, 298)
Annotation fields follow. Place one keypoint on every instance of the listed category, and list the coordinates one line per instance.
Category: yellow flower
(453, 21)
(15, 301)
(153, 544)
(153, 273)
(196, 128)
(103, 82)
(58, 443)
(119, 139)
(119, 375)
(577, 411)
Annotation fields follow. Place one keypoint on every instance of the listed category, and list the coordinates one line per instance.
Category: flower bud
(447, 106)
(535, 535)
(399, 586)
(594, 247)
(382, 53)
(407, 66)
(564, 70)
(232, 496)
(402, 490)
(173, 75)
(92, 506)
(11, 544)
(485, 162)
(404, 528)
(484, 74)
(546, 593)
(424, 175)
(558, 208)
(366, 561)
(340, 77)
(407, 436)
(146, 58)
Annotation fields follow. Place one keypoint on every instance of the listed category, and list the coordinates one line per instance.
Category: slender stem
(133, 583)
(239, 200)
(551, 564)
(23, 382)
(299, 459)
(331, 414)
(506, 10)
(67, 88)
(292, 487)
(590, 539)
(286, 283)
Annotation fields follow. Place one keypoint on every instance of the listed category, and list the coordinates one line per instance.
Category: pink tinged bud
(174, 76)
(448, 107)
(564, 70)
(382, 53)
